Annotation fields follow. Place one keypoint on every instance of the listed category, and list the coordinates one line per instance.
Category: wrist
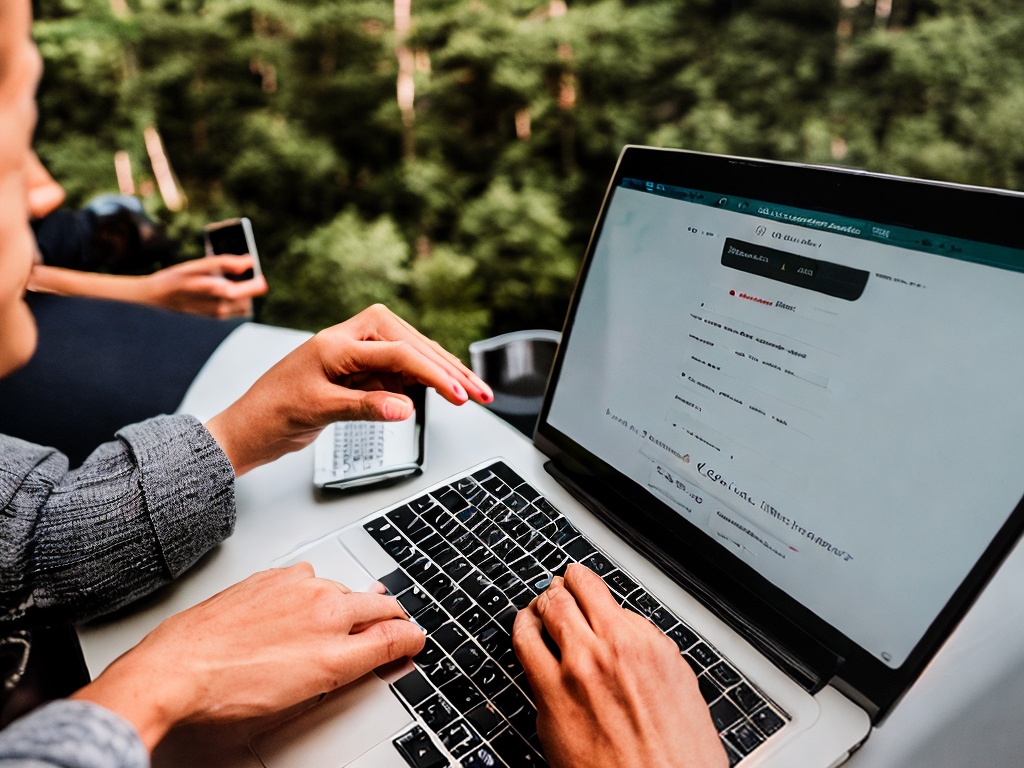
(224, 431)
(147, 698)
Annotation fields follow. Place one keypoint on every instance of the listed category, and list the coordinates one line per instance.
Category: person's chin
(18, 338)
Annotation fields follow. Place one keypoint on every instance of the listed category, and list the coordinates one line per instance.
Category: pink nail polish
(459, 391)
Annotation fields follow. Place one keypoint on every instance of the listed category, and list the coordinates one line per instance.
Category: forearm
(140, 511)
(71, 282)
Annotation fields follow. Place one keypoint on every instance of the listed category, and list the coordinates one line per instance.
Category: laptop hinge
(811, 677)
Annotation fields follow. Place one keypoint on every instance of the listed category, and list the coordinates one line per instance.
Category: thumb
(381, 405)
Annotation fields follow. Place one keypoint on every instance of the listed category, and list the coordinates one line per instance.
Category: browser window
(815, 394)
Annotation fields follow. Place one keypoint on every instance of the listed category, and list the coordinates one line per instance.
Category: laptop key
(683, 636)
(492, 639)
(414, 688)
(402, 517)
(744, 738)
(421, 503)
(508, 582)
(469, 658)
(492, 600)
(704, 655)
(724, 714)
(458, 568)
(396, 582)
(724, 675)
(746, 698)
(527, 491)
(443, 553)
(443, 670)
(430, 654)
(458, 738)
(456, 603)
(474, 619)
(492, 568)
(485, 719)
(511, 701)
(481, 757)
(418, 750)
(470, 516)
(527, 569)
(516, 502)
(490, 679)
(474, 584)
(506, 618)
(651, 610)
(522, 598)
(496, 487)
(580, 549)
(438, 585)
(413, 600)
(462, 694)
(708, 690)
(452, 500)
(599, 564)
(514, 750)
(506, 473)
(620, 583)
(450, 636)
(436, 713)
(431, 617)
(767, 721)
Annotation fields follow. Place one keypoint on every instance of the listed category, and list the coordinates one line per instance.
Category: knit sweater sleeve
(137, 513)
(71, 734)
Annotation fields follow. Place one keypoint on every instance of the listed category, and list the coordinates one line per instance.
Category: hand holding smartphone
(233, 236)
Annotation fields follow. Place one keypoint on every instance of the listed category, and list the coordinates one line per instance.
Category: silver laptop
(796, 391)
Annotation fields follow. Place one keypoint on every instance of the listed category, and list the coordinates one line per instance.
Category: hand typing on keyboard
(613, 691)
(271, 641)
(353, 371)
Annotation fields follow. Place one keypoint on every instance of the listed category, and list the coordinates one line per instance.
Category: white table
(962, 712)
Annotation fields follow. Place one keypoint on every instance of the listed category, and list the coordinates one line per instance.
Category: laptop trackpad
(342, 728)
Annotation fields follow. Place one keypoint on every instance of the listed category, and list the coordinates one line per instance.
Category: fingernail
(459, 391)
(394, 409)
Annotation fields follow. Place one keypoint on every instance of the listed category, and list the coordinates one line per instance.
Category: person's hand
(200, 287)
(276, 639)
(351, 371)
(617, 693)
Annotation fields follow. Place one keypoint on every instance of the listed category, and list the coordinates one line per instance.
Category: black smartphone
(233, 236)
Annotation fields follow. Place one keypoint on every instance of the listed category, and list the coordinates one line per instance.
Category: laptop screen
(834, 402)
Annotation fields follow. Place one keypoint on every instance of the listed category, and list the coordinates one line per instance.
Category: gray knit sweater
(136, 514)
(74, 545)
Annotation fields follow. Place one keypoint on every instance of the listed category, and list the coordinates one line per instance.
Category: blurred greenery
(468, 211)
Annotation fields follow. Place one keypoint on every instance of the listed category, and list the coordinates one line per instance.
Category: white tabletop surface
(962, 712)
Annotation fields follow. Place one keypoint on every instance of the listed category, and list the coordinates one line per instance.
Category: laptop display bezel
(745, 598)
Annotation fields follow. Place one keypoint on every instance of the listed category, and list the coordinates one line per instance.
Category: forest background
(448, 157)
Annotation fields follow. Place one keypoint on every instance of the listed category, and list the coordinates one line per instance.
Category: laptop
(788, 387)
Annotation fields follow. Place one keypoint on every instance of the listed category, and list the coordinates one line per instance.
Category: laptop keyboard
(473, 553)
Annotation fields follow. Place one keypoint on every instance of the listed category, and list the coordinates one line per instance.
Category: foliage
(469, 210)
